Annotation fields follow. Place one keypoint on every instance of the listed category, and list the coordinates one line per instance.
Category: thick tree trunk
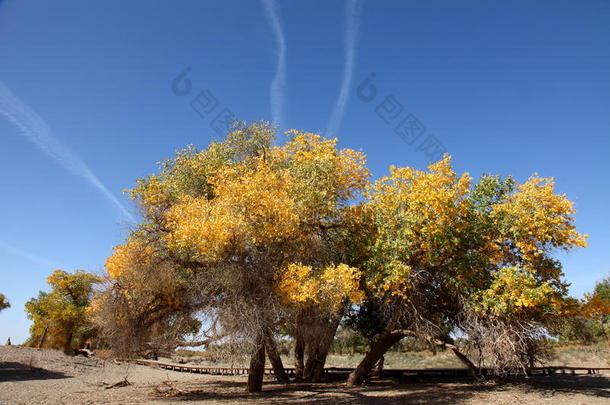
(318, 351)
(378, 349)
(299, 357)
(379, 367)
(312, 365)
(68, 344)
(275, 359)
(256, 373)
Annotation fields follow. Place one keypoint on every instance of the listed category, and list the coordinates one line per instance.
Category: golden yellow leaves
(240, 203)
(266, 199)
(129, 256)
(76, 282)
(329, 287)
(395, 280)
(414, 211)
(535, 217)
(324, 177)
(427, 220)
(515, 289)
(251, 207)
(425, 203)
(150, 193)
(65, 308)
(4, 302)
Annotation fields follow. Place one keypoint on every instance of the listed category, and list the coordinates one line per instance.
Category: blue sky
(86, 104)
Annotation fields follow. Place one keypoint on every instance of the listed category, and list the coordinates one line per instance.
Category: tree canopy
(60, 316)
(256, 237)
(4, 302)
(449, 255)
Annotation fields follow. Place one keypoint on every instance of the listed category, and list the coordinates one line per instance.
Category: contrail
(353, 9)
(36, 130)
(278, 84)
(32, 258)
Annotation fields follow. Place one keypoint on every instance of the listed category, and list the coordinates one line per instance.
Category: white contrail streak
(353, 9)
(36, 130)
(278, 84)
(30, 257)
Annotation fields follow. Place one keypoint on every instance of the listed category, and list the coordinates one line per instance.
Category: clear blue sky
(86, 104)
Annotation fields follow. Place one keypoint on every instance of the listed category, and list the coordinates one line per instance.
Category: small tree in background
(60, 316)
(592, 323)
(4, 302)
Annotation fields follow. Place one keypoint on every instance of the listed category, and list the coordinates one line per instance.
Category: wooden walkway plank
(419, 373)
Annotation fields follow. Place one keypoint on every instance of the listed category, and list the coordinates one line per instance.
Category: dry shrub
(504, 347)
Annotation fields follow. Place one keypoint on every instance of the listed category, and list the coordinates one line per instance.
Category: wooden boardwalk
(426, 373)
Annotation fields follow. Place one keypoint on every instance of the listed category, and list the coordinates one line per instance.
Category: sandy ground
(29, 376)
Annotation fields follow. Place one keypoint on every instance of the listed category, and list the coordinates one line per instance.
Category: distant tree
(60, 316)
(4, 302)
(580, 329)
(592, 322)
(597, 304)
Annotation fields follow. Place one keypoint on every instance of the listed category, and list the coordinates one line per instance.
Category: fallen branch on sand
(119, 384)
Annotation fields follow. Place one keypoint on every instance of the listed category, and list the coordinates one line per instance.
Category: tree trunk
(299, 357)
(318, 351)
(379, 367)
(256, 373)
(463, 359)
(378, 349)
(43, 338)
(275, 359)
(461, 356)
(68, 344)
(312, 364)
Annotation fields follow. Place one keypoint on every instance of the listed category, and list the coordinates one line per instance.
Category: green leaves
(64, 309)
(3, 302)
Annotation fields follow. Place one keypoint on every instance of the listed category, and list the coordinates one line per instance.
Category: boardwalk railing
(400, 373)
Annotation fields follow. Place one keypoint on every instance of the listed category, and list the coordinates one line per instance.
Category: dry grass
(597, 355)
(564, 355)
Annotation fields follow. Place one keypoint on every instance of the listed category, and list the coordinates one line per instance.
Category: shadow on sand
(386, 393)
(12, 371)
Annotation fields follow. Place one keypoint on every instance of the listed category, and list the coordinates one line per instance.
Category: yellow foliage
(536, 217)
(395, 281)
(428, 220)
(238, 203)
(515, 289)
(63, 311)
(252, 206)
(419, 204)
(3, 302)
(324, 177)
(134, 253)
(301, 285)
(596, 306)
(414, 211)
